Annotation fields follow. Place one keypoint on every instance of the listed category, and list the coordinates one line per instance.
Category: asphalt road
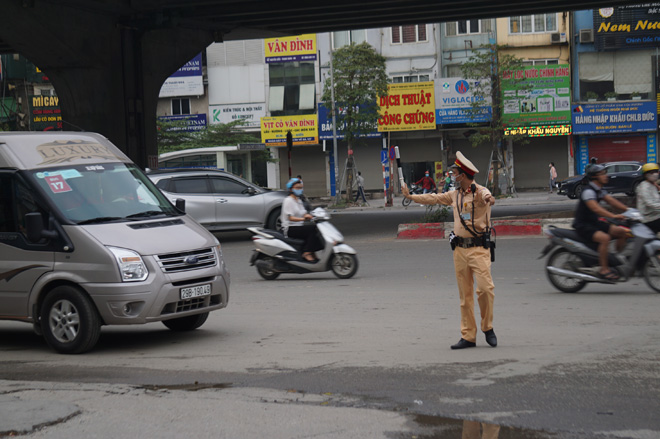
(375, 348)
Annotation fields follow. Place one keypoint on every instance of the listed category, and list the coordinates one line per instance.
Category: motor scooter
(276, 254)
(414, 189)
(574, 262)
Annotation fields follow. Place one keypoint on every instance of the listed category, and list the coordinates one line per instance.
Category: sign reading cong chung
(537, 95)
(290, 49)
(407, 107)
(304, 130)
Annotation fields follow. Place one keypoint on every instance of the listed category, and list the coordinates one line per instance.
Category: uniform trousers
(470, 264)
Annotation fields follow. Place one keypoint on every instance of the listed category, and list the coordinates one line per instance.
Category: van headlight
(131, 265)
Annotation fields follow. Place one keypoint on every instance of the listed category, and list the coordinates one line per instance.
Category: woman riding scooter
(648, 198)
(293, 219)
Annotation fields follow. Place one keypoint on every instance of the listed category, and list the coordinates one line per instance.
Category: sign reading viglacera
(537, 95)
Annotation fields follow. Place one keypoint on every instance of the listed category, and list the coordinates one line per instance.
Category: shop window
(409, 34)
(292, 88)
(454, 71)
(533, 23)
(344, 38)
(181, 106)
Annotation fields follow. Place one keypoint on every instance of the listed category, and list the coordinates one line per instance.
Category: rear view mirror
(34, 225)
(180, 204)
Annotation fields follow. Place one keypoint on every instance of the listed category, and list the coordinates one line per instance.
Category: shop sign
(304, 130)
(629, 26)
(614, 117)
(187, 81)
(290, 49)
(454, 102)
(250, 114)
(45, 113)
(325, 126)
(537, 95)
(251, 147)
(407, 107)
(193, 122)
(539, 131)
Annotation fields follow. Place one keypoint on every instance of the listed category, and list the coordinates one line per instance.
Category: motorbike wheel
(565, 259)
(406, 202)
(652, 275)
(266, 273)
(344, 265)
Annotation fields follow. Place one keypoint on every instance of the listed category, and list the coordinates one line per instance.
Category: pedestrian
(428, 185)
(447, 182)
(473, 249)
(553, 175)
(648, 198)
(360, 185)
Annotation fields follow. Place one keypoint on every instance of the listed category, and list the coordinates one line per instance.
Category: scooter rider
(648, 198)
(293, 219)
(586, 221)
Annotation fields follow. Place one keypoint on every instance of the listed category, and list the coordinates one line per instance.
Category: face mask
(297, 192)
(653, 177)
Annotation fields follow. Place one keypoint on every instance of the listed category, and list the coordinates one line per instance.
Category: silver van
(86, 240)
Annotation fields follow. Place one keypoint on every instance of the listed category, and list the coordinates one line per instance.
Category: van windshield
(87, 194)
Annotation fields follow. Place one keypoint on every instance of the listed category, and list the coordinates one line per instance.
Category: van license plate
(198, 291)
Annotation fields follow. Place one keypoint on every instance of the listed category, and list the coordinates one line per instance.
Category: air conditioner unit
(555, 38)
(586, 36)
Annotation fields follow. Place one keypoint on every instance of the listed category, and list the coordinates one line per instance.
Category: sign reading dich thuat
(407, 107)
(304, 130)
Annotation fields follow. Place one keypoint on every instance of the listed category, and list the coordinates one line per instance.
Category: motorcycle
(414, 190)
(574, 262)
(276, 254)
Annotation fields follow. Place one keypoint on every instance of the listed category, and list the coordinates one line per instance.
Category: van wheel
(69, 321)
(274, 221)
(186, 323)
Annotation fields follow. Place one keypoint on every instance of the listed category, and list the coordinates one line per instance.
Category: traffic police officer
(472, 248)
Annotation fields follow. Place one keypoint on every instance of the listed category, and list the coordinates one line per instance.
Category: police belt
(469, 242)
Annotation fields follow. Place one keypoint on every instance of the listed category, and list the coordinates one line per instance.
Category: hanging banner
(304, 130)
(407, 107)
(187, 81)
(614, 117)
(325, 126)
(290, 49)
(537, 95)
(454, 100)
(627, 27)
(191, 122)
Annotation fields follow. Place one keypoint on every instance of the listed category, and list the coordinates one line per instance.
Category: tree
(487, 67)
(360, 79)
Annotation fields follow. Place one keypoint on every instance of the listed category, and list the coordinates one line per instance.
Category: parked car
(220, 200)
(624, 177)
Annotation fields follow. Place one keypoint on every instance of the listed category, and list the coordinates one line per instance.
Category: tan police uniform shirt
(481, 208)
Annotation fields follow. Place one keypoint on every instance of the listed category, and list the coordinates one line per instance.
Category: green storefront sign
(537, 95)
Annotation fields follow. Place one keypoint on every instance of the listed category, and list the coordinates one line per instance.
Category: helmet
(594, 170)
(291, 182)
(650, 167)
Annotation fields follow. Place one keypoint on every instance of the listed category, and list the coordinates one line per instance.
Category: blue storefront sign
(454, 102)
(325, 126)
(193, 122)
(614, 117)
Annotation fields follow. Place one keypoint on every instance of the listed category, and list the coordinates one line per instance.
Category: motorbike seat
(575, 236)
(279, 235)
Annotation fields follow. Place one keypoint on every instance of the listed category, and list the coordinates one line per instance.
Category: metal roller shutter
(615, 149)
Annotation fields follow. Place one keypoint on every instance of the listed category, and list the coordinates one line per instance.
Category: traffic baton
(398, 164)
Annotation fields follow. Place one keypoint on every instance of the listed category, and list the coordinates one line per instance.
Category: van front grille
(191, 304)
(186, 261)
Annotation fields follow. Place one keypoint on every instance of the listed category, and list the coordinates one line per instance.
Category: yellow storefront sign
(407, 107)
(289, 49)
(304, 130)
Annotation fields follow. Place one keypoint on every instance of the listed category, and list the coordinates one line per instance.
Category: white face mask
(652, 177)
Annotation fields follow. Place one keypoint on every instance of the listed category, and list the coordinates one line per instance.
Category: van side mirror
(180, 204)
(34, 224)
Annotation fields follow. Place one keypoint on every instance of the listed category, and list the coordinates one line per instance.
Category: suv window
(194, 185)
(227, 186)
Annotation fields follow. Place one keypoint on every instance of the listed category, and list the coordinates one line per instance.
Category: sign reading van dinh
(627, 27)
